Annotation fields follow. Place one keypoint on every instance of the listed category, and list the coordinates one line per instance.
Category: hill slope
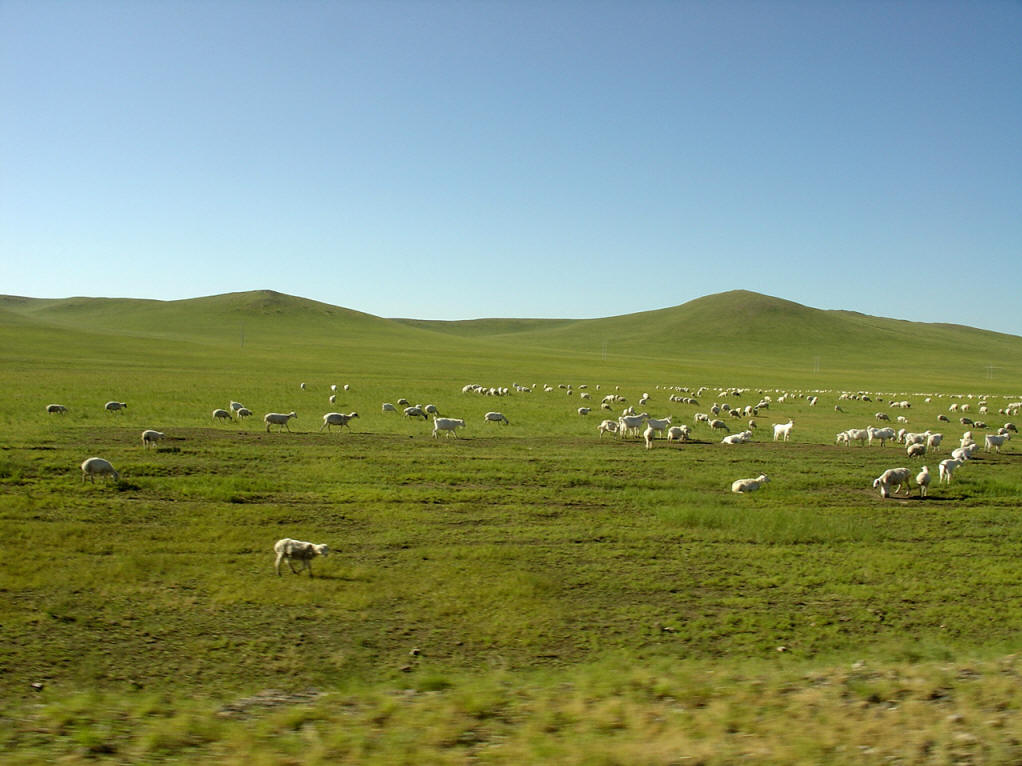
(737, 333)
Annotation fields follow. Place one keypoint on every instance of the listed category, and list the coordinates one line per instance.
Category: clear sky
(454, 160)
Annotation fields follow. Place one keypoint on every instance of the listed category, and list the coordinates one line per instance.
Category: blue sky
(453, 160)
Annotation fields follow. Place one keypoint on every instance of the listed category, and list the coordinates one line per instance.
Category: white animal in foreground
(278, 419)
(883, 434)
(916, 450)
(115, 406)
(221, 415)
(150, 437)
(415, 412)
(236, 406)
(996, 441)
(648, 435)
(449, 425)
(496, 417)
(584, 410)
(607, 425)
(59, 409)
(946, 468)
(923, 480)
(296, 550)
(678, 433)
(337, 419)
(749, 485)
(892, 477)
(97, 466)
(739, 438)
(783, 430)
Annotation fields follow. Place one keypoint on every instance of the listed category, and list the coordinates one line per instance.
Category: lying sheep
(296, 550)
(892, 477)
(150, 437)
(97, 466)
(337, 419)
(278, 419)
(749, 485)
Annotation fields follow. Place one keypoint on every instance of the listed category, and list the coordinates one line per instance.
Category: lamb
(854, 435)
(244, 412)
(58, 409)
(496, 417)
(996, 441)
(97, 466)
(933, 441)
(607, 425)
(584, 411)
(965, 452)
(415, 412)
(221, 415)
(150, 437)
(278, 419)
(631, 423)
(947, 467)
(296, 550)
(648, 435)
(449, 425)
(783, 430)
(388, 407)
(883, 434)
(115, 406)
(659, 424)
(739, 438)
(916, 450)
(749, 485)
(337, 419)
(236, 406)
(923, 480)
(892, 477)
(719, 425)
(677, 433)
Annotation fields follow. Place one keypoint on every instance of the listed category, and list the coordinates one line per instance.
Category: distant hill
(742, 332)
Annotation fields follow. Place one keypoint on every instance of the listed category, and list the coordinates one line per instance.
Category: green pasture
(522, 594)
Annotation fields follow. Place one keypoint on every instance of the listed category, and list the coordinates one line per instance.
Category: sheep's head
(321, 549)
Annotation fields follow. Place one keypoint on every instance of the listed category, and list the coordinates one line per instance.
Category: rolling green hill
(731, 337)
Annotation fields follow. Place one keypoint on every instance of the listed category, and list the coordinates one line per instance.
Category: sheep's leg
(291, 564)
(276, 564)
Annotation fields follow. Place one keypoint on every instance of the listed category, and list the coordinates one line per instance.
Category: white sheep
(150, 437)
(892, 477)
(782, 431)
(415, 412)
(607, 425)
(278, 419)
(448, 425)
(964, 453)
(678, 433)
(658, 424)
(933, 441)
(337, 419)
(388, 407)
(739, 438)
(916, 450)
(946, 468)
(584, 411)
(97, 466)
(332, 398)
(883, 434)
(58, 409)
(719, 425)
(115, 406)
(244, 412)
(923, 480)
(749, 485)
(648, 435)
(996, 441)
(296, 550)
(235, 406)
(221, 415)
(496, 417)
(631, 423)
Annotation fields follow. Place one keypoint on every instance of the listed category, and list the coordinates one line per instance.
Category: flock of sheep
(630, 423)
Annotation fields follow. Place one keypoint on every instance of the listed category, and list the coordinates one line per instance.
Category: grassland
(528, 593)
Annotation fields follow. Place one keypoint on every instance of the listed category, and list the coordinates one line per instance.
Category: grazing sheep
(719, 425)
(943, 419)
(883, 434)
(278, 419)
(415, 412)
(236, 406)
(607, 425)
(296, 550)
(221, 415)
(916, 450)
(402, 402)
(388, 407)
(584, 411)
(1010, 427)
(59, 409)
(430, 409)
(933, 441)
(964, 452)
(448, 425)
(882, 416)
(496, 417)
(302, 386)
(749, 485)
(892, 477)
(658, 424)
(150, 437)
(923, 480)
(337, 419)
(115, 406)
(244, 412)
(996, 441)
(782, 431)
(97, 466)
(677, 433)
(332, 398)
(946, 468)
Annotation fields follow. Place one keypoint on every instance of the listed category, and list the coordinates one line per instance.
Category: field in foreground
(526, 593)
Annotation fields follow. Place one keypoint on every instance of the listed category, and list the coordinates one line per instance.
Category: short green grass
(526, 593)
